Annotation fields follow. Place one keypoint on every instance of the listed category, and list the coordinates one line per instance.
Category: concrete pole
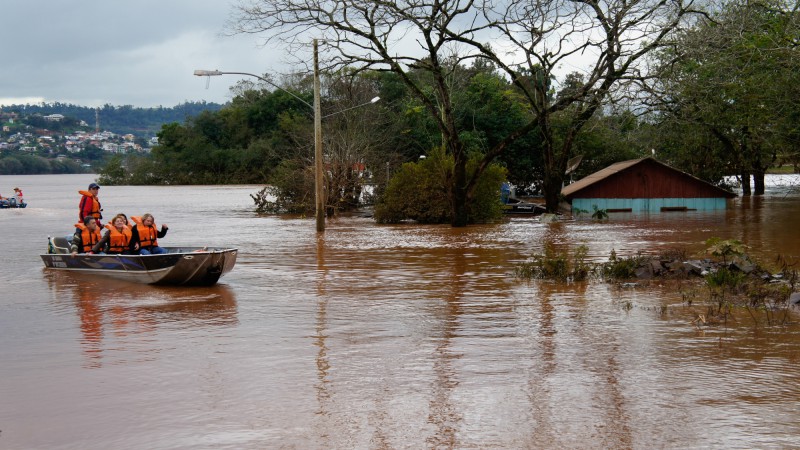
(318, 166)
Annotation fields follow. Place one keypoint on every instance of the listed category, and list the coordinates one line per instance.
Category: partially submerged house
(644, 185)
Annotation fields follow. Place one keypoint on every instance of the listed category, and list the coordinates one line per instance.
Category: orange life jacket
(95, 211)
(147, 235)
(88, 237)
(118, 241)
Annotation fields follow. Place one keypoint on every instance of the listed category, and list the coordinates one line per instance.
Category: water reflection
(444, 414)
(378, 336)
(119, 315)
(323, 364)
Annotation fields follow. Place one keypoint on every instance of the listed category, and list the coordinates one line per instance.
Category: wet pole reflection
(118, 317)
(323, 365)
(564, 322)
(443, 413)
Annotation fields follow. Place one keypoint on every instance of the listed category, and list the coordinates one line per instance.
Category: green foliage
(579, 212)
(113, 173)
(421, 192)
(24, 164)
(119, 119)
(724, 279)
(292, 190)
(621, 268)
(725, 248)
(599, 214)
(556, 265)
(730, 91)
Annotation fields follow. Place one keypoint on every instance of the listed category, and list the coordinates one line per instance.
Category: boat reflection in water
(118, 317)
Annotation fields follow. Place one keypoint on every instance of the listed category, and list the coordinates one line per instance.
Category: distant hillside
(126, 119)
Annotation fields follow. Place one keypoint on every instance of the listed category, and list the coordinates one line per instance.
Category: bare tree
(530, 41)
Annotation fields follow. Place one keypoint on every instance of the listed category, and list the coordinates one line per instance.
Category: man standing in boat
(90, 205)
(145, 234)
(18, 196)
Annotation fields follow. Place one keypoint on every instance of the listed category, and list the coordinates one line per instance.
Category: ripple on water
(388, 336)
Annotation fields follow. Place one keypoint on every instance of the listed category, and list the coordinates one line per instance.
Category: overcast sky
(140, 53)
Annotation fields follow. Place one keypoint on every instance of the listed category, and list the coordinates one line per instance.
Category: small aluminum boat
(193, 266)
(11, 202)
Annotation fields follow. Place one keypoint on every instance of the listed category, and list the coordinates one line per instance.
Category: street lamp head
(207, 73)
(375, 100)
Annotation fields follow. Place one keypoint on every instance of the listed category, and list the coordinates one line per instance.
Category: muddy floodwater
(385, 337)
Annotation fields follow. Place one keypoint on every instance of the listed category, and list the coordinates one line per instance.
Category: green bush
(291, 191)
(420, 191)
(555, 265)
(621, 268)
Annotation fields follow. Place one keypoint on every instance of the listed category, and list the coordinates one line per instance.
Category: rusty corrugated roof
(567, 191)
(599, 175)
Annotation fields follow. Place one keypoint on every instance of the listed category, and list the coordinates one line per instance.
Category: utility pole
(319, 181)
(318, 174)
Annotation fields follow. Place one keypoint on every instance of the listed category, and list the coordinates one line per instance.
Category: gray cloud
(92, 52)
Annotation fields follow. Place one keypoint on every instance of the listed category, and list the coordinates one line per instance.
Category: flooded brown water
(381, 337)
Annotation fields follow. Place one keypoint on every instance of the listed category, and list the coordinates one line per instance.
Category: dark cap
(94, 185)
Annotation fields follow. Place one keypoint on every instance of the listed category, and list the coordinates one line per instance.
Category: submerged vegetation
(731, 279)
(557, 265)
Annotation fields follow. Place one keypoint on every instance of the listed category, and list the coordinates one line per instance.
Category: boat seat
(60, 244)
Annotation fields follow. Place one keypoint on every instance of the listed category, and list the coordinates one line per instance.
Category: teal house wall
(644, 185)
(650, 205)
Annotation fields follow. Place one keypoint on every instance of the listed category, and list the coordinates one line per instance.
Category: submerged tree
(530, 41)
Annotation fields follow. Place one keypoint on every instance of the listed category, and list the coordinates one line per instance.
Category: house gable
(643, 178)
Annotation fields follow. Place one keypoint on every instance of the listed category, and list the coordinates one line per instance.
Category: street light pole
(216, 73)
(319, 185)
(319, 188)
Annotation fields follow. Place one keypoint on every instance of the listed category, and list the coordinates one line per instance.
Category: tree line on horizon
(124, 119)
(719, 98)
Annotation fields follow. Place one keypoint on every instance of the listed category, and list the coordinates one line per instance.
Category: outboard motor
(12, 202)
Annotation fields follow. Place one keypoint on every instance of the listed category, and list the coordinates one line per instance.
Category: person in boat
(116, 239)
(90, 205)
(87, 234)
(146, 235)
(18, 196)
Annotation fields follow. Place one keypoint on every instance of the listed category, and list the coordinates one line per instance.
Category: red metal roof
(659, 180)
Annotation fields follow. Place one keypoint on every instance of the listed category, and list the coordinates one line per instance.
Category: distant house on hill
(644, 185)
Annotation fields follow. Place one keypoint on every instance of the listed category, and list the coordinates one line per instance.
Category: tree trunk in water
(758, 182)
(745, 177)
(552, 191)
(459, 189)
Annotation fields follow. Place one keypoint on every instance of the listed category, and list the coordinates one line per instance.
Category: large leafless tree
(532, 41)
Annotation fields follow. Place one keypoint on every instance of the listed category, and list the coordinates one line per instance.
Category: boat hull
(524, 208)
(179, 266)
(4, 204)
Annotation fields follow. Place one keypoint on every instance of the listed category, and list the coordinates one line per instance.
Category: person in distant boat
(90, 205)
(18, 196)
(117, 237)
(87, 234)
(146, 235)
